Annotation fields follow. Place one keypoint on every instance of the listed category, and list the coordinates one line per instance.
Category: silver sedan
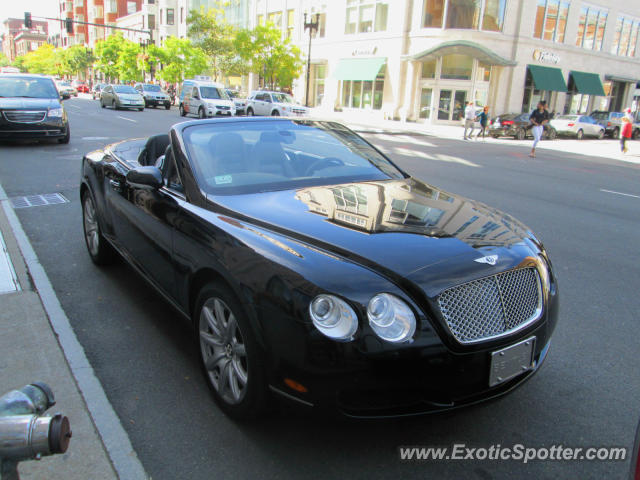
(578, 126)
(121, 96)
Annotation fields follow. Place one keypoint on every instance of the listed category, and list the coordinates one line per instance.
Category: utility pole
(313, 27)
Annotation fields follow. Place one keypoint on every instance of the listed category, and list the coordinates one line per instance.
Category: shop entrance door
(451, 104)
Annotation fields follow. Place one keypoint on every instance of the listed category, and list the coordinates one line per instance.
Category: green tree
(77, 59)
(129, 62)
(264, 52)
(4, 61)
(210, 31)
(44, 60)
(180, 59)
(107, 53)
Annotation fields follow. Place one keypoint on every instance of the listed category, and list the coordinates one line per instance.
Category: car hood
(400, 226)
(29, 103)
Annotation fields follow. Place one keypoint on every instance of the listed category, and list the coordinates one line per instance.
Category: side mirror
(149, 178)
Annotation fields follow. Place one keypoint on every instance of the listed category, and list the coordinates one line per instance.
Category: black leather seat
(228, 154)
(268, 156)
(153, 148)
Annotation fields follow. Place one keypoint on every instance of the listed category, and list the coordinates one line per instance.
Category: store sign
(357, 52)
(546, 57)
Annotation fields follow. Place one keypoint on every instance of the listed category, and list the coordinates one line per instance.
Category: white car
(274, 104)
(205, 99)
(578, 126)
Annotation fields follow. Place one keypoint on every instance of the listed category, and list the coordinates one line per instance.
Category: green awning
(618, 78)
(359, 68)
(547, 78)
(587, 83)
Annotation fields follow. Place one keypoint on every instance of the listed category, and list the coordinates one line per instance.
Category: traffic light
(27, 20)
(68, 23)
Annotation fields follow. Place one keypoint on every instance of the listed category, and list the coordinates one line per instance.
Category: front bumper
(48, 128)
(157, 101)
(370, 378)
(503, 131)
(213, 112)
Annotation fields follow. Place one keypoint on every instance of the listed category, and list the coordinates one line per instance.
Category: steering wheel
(322, 163)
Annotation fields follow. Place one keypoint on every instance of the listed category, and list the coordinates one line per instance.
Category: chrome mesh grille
(24, 116)
(492, 306)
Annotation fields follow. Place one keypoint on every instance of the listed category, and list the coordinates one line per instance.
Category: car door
(267, 105)
(194, 101)
(259, 104)
(142, 224)
(106, 95)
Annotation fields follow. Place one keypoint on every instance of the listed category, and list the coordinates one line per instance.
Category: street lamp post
(312, 26)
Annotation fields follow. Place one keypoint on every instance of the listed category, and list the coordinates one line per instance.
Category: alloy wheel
(91, 230)
(223, 351)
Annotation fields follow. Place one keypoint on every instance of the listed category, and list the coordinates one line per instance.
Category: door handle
(117, 186)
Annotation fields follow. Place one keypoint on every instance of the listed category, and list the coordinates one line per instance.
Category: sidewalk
(37, 346)
(366, 122)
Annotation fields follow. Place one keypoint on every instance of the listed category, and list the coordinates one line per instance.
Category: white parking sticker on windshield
(220, 179)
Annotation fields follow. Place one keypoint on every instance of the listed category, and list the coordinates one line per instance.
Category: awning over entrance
(587, 83)
(359, 68)
(463, 47)
(618, 78)
(547, 78)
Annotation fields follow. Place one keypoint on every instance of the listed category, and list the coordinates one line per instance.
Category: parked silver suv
(153, 95)
(273, 103)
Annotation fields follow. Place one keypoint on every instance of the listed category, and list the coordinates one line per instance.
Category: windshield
(282, 98)
(248, 157)
(151, 88)
(124, 89)
(27, 87)
(213, 93)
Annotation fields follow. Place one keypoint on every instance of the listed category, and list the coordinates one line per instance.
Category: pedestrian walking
(625, 134)
(484, 121)
(469, 119)
(539, 117)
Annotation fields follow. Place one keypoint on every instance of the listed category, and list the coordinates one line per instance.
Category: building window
(626, 37)
(551, 20)
(170, 16)
(591, 28)
(181, 15)
(483, 73)
(429, 69)
(364, 16)
(320, 73)
(131, 8)
(152, 22)
(290, 23)
(322, 25)
(364, 93)
(160, 17)
(468, 14)
(111, 6)
(98, 12)
(275, 18)
(456, 67)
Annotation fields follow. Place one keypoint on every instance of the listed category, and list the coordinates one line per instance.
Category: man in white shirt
(469, 119)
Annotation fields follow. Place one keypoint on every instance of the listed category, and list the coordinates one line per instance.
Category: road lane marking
(74, 106)
(620, 193)
(125, 118)
(95, 138)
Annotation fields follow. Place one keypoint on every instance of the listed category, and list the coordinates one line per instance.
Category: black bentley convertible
(313, 268)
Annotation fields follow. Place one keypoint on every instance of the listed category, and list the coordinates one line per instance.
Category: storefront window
(320, 74)
(433, 12)
(483, 72)
(551, 20)
(456, 67)
(463, 14)
(365, 16)
(429, 69)
(493, 17)
(425, 102)
(363, 94)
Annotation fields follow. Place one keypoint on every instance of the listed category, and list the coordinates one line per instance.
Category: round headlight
(390, 318)
(333, 317)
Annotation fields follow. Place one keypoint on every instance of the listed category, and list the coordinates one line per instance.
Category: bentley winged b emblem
(489, 259)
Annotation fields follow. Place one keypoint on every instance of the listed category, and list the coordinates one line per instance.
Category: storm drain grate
(38, 200)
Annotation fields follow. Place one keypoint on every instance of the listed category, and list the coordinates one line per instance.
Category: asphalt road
(585, 395)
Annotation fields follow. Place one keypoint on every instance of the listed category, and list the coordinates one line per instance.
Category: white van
(205, 99)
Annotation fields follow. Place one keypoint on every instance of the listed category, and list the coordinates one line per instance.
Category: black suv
(611, 121)
(30, 107)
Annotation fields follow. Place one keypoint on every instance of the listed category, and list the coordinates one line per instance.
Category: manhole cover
(38, 200)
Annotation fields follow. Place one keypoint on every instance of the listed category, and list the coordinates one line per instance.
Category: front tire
(250, 112)
(232, 360)
(201, 113)
(275, 113)
(616, 133)
(580, 134)
(600, 134)
(182, 112)
(67, 137)
(167, 106)
(100, 251)
(521, 134)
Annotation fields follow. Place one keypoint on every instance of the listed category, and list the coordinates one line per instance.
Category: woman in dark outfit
(484, 121)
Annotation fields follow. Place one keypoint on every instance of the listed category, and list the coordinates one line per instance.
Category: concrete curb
(115, 439)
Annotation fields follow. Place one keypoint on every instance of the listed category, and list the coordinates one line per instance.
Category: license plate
(511, 361)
